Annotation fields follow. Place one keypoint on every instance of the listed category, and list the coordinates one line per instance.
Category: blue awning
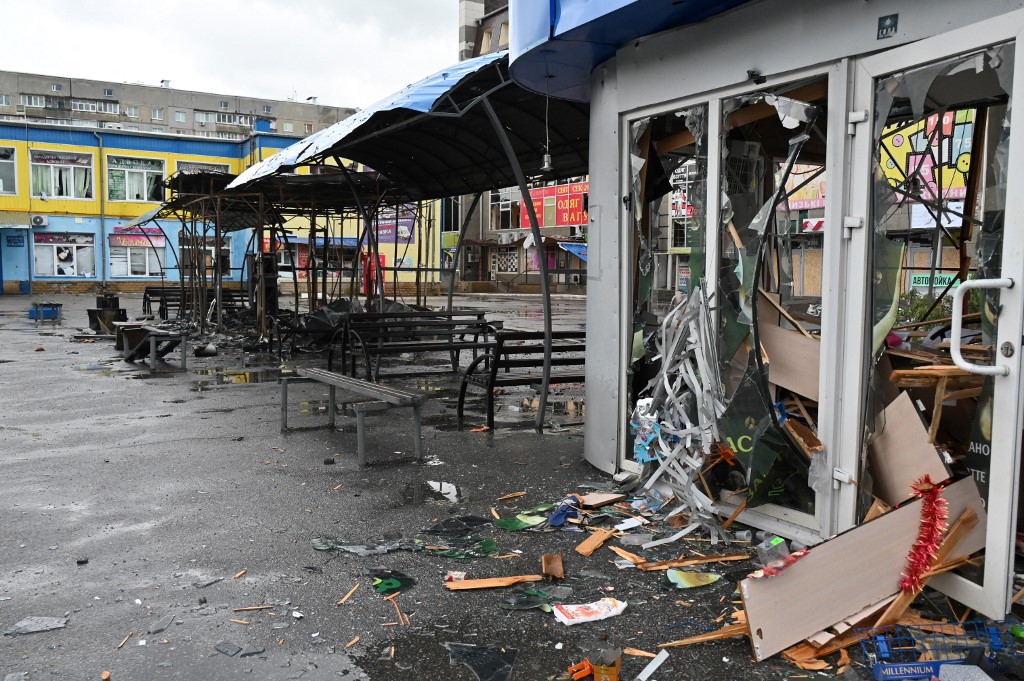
(555, 45)
(434, 139)
(419, 97)
(579, 250)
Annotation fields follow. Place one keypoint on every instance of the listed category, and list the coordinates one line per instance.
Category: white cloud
(346, 52)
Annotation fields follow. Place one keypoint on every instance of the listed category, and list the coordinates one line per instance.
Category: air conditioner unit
(505, 239)
(39, 220)
(577, 230)
(20, 108)
(202, 122)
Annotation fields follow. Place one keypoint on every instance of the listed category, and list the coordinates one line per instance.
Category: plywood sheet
(900, 452)
(793, 359)
(846, 574)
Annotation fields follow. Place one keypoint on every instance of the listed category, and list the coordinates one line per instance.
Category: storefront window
(61, 174)
(134, 179)
(64, 255)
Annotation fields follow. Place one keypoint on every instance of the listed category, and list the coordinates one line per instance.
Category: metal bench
(517, 358)
(140, 342)
(376, 334)
(382, 398)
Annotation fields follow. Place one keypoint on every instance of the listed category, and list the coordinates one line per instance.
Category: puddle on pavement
(222, 377)
(418, 493)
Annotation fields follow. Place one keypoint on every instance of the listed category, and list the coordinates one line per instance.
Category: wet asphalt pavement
(129, 495)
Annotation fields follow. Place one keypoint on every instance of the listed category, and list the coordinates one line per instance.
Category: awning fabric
(14, 219)
(434, 138)
(579, 250)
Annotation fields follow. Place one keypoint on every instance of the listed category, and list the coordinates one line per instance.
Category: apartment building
(136, 107)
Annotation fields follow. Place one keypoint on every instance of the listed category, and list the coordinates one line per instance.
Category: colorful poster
(927, 157)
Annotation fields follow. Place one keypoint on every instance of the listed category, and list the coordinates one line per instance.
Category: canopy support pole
(458, 247)
(542, 262)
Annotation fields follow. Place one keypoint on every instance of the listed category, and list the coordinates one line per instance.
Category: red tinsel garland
(934, 513)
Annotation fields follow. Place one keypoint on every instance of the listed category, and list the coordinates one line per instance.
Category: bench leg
(332, 408)
(152, 351)
(184, 354)
(490, 409)
(284, 404)
(361, 437)
(417, 433)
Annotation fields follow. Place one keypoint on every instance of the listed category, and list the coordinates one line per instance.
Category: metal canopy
(434, 138)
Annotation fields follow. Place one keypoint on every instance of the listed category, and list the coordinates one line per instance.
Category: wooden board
(793, 360)
(551, 565)
(594, 542)
(900, 452)
(599, 499)
(845, 574)
(490, 583)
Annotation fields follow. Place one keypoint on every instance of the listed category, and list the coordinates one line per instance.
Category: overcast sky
(346, 52)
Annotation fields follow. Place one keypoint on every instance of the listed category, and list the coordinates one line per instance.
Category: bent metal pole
(542, 263)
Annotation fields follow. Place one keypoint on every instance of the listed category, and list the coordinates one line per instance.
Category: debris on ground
(570, 614)
(35, 625)
(489, 663)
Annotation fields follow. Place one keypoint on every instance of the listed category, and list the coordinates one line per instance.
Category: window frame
(145, 177)
(108, 92)
(131, 111)
(75, 249)
(267, 109)
(32, 101)
(5, 100)
(50, 166)
(180, 117)
(156, 113)
(148, 251)
(287, 126)
(13, 161)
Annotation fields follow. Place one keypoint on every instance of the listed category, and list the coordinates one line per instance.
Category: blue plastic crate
(917, 651)
(44, 312)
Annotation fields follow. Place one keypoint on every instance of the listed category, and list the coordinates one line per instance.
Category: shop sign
(570, 205)
(15, 240)
(138, 240)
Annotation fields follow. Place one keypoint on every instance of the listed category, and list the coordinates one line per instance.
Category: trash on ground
(681, 579)
(570, 614)
(491, 582)
(489, 663)
(390, 581)
(35, 625)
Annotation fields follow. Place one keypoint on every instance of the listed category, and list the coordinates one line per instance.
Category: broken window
(940, 164)
(772, 207)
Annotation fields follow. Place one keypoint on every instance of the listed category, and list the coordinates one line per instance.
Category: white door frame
(991, 598)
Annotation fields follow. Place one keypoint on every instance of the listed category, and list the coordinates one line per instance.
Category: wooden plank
(594, 542)
(551, 565)
(793, 360)
(599, 499)
(845, 574)
(960, 529)
(804, 437)
(900, 452)
(878, 507)
(782, 311)
(730, 631)
(686, 562)
(491, 582)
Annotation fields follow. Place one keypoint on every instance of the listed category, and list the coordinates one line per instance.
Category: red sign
(558, 206)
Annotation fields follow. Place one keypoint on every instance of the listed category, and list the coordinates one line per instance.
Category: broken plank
(785, 313)
(900, 452)
(730, 631)
(594, 542)
(599, 499)
(842, 576)
(793, 360)
(960, 529)
(685, 562)
(491, 582)
(804, 438)
(623, 553)
(551, 565)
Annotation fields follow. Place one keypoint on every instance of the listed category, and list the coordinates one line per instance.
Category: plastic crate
(917, 651)
(44, 311)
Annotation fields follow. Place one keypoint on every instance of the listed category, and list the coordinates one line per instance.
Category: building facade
(498, 253)
(79, 159)
(66, 196)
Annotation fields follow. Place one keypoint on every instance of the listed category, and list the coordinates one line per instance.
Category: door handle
(957, 323)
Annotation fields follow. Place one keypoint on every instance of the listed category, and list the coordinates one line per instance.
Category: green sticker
(776, 541)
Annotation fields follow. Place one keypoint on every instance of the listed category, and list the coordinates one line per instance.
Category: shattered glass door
(941, 136)
(769, 291)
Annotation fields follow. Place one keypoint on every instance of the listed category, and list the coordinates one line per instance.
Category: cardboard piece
(551, 565)
(793, 359)
(846, 574)
(900, 452)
